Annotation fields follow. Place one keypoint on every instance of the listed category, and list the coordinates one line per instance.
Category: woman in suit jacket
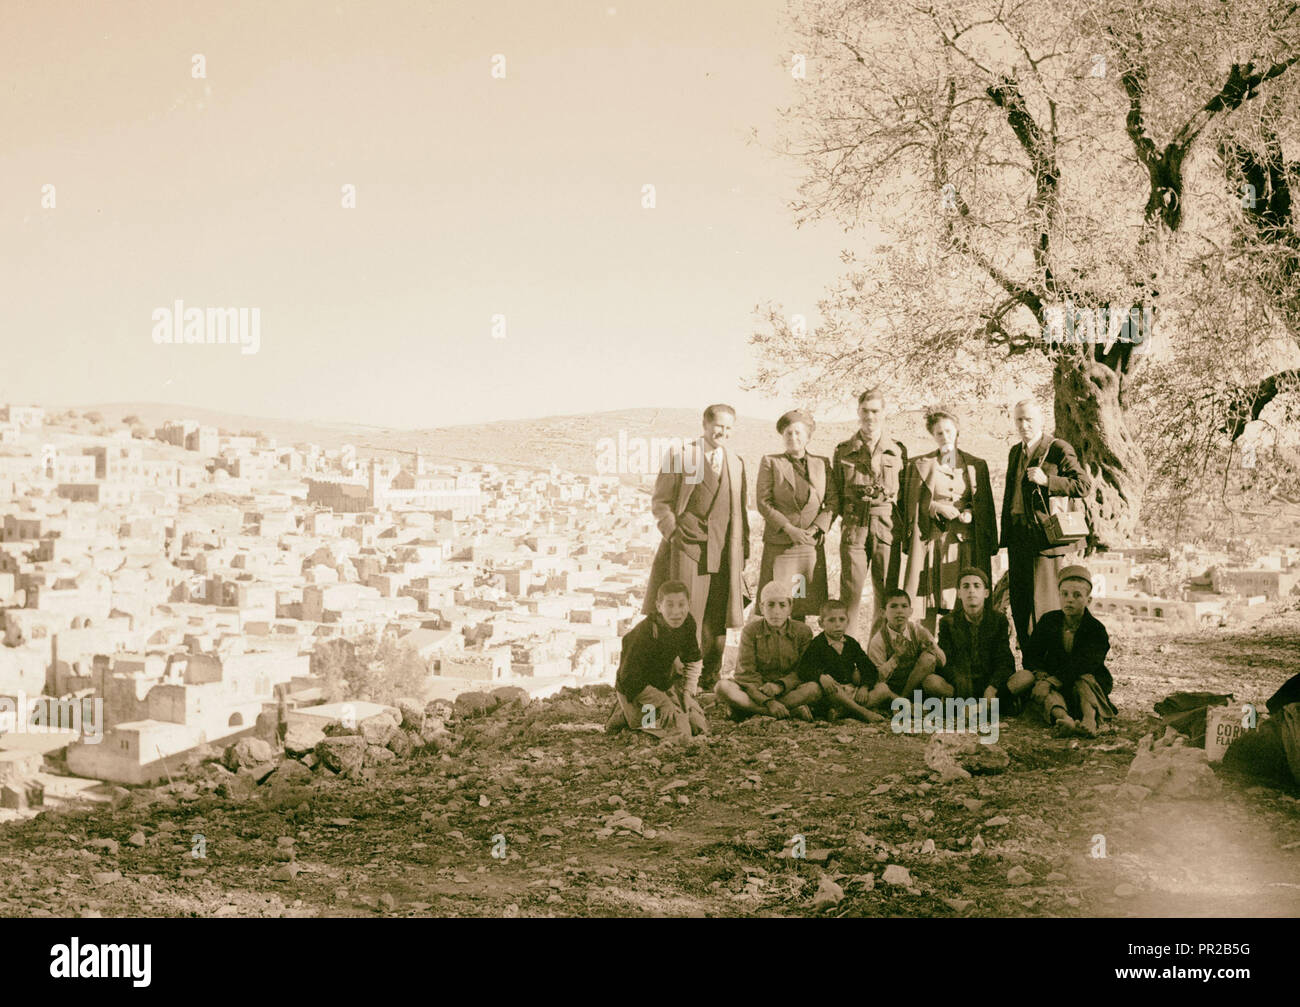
(792, 488)
(950, 518)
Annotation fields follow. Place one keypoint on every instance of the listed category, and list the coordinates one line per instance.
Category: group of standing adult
(912, 523)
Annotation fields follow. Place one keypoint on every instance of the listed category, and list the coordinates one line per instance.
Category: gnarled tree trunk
(1090, 414)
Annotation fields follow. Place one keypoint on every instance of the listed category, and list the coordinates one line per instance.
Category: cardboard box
(1223, 726)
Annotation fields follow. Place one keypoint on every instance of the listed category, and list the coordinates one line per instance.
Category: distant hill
(154, 414)
(1228, 513)
(569, 442)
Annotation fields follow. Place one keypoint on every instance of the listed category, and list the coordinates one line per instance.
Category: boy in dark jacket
(1067, 654)
(835, 673)
(659, 671)
(976, 639)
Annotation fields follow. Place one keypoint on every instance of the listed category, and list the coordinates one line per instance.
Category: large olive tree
(1056, 170)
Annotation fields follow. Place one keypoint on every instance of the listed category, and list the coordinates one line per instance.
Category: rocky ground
(533, 811)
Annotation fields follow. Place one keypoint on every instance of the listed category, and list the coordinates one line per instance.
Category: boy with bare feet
(1067, 654)
(837, 676)
(770, 647)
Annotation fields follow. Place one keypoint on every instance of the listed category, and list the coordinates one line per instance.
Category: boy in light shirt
(905, 654)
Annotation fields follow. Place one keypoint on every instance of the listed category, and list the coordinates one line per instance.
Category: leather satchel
(1065, 521)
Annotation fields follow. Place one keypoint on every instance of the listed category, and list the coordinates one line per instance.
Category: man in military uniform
(865, 487)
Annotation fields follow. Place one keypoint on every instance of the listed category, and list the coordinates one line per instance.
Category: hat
(973, 571)
(1075, 572)
(796, 416)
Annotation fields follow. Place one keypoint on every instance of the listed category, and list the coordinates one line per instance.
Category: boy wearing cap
(659, 671)
(770, 647)
(1067, 654)
(976, 638)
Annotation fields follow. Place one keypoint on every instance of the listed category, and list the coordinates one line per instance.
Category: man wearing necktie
(1039, 466)
(700, 502)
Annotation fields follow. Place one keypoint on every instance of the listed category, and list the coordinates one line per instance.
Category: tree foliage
(1023, 157)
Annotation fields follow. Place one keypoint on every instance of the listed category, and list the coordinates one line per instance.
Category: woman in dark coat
(791, 497)
(949, 518)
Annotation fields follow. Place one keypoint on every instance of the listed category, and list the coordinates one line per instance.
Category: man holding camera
(866, 482)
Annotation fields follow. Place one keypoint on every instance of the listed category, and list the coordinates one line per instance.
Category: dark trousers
(1023, 544)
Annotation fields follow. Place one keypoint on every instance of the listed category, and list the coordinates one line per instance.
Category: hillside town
(162, 590)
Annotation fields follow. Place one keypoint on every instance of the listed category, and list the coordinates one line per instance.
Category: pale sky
(474, 197)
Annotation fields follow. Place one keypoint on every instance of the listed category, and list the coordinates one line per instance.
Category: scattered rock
(288, 771)
(248, 752)
(342, 754)
(378, 729)
(106, 877)
(997, 820)
(412, 714)
(511, 694)
(136, 839)
(474, 704)
(956, 756)
(109, 846)
(896, 875)
(400, 744)
(1019, 876)
(1169, 768)
(377, 756)
(285, 872)
(620, 819)
(828, 895)
(301, 739)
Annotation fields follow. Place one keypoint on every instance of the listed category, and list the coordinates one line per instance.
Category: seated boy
(906, 656)
(837, 676)
(770, 647)
(659, 671)
(1067, 654)
(976, 640)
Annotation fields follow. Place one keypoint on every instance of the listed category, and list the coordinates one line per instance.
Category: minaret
(372, 480)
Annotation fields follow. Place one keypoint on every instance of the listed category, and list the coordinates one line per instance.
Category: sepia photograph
(651, 458)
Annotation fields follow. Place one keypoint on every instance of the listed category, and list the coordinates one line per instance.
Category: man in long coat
(1039, 466)
(700, 501)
